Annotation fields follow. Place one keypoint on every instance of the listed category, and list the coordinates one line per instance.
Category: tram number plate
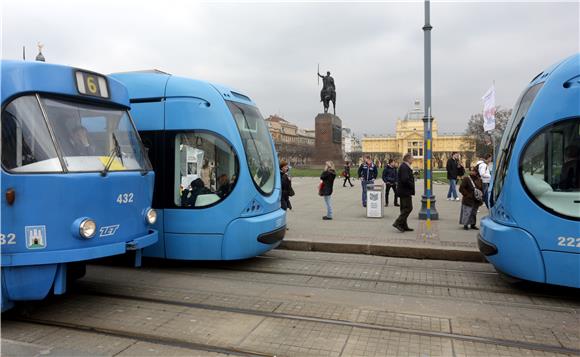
(92, 84)
(569, 242)
(125, 198)
(7, 239)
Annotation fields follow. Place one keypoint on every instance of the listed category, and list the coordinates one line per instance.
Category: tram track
(446, 287)
(141, 337)
(174, 342)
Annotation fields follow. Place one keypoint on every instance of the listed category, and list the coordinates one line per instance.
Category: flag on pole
(489, 109)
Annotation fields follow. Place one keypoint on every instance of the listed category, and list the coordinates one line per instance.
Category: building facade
(293, 144)
(409, 138)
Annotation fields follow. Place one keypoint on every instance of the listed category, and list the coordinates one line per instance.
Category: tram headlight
(87, 228)
(151, 216)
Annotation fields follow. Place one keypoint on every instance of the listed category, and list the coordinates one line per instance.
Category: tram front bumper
(511, 250)
(251, 236)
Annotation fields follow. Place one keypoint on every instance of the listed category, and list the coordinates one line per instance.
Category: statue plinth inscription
(328, 142)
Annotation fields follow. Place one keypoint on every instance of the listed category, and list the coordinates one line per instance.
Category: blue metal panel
(562, 268)
(150, 116)
(22, 77)
(28, 282)
(76, 195)
(147, 84)
(518, 254)
(193, 246)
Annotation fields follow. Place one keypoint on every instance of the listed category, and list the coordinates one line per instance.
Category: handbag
(320, 188)
(291, 192)
(476, 192)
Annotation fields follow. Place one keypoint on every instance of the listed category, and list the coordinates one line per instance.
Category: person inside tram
(223, 183)
(189, 194)
(570, 176)
(79, 140)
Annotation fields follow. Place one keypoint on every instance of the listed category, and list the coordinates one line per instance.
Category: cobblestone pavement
(298, 304)
(350, 229)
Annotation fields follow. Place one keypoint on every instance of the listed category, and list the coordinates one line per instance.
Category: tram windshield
(257, 145)
(88, 138)
(550, 168)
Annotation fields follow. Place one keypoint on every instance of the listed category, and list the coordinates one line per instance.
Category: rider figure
(327, 85)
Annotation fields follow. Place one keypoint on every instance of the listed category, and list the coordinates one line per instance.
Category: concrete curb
(415, 252)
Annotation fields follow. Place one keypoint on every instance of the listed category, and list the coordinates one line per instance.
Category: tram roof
(152, 84)
(20, 77)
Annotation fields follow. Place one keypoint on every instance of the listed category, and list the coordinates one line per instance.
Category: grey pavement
(352, 232)
(291, 303)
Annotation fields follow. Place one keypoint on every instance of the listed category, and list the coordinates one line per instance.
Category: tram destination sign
(92, 84)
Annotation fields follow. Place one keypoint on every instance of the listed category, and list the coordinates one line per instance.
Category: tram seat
(207, 199)
(537, 185)
(565, 202)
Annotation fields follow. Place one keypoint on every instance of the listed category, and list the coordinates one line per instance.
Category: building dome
(415, 113)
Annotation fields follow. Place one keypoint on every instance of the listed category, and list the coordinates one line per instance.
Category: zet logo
(35, 237)
(108, 230)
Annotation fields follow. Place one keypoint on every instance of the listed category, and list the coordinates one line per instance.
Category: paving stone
(365, 343)
(476, 349)
(297, 338)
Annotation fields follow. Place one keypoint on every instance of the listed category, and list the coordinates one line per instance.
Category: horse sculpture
(327, 97)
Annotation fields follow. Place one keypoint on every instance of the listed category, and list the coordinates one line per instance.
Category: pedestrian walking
(287, 190)
(390, 180)
(470, 188)
(406, 188)
(346, 174)
(484, 170)
(453, 171)
(327, 178)
(367, 173)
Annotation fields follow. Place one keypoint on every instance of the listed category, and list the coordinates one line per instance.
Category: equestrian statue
(328, 93)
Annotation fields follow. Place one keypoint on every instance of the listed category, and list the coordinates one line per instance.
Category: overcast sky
(270, 51)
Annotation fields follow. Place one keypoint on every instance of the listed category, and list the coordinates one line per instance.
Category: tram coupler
(138, 252)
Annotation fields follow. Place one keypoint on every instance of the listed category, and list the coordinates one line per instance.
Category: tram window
(206, 169)
(550, 168)
(509, 138)
(26, 142)
(88, 135)
(257, 145)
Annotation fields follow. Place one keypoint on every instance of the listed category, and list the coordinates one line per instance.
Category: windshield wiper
(115, 152)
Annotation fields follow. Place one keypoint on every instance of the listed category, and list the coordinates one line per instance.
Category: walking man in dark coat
(406, 188)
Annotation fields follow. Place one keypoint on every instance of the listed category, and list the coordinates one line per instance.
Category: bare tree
(484, 140)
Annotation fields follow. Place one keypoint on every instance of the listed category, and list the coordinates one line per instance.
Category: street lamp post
(428, 211)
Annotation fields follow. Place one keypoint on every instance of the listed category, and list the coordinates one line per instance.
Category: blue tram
(217, 185)
(533, 230)
(76, 182)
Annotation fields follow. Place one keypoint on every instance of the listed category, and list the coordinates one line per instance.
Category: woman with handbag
(325, 188)
(471, 189)
(287, 190)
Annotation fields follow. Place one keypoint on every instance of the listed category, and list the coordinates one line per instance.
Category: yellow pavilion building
(409, 138)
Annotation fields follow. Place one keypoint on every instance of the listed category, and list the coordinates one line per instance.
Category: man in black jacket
(390, 179)
(453, 167)
(406, 188)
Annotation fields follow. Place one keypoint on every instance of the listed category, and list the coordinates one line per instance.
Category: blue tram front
(76, 183)
(217, 186)
(533, 230)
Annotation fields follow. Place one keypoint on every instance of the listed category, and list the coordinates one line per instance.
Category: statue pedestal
(328, 142)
